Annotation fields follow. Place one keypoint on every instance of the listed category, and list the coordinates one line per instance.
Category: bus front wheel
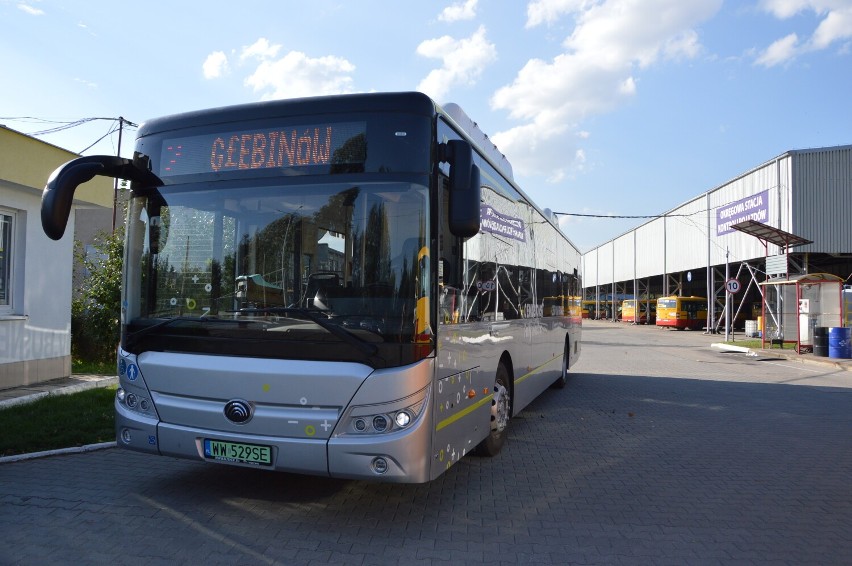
(501, 411)
(562, 380)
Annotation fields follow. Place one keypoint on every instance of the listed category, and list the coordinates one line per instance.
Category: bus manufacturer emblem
(238, 411)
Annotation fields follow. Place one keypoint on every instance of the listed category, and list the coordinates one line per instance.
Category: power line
(112, 130)
(62, 125)
(638, 216)
(68, 124)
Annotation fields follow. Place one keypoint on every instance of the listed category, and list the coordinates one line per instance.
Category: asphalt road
(661, 450)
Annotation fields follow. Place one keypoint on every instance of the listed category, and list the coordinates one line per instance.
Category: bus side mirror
(465, 188)
(58, 194)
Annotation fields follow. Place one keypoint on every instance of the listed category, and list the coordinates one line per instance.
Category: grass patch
(756, 344)
(752, 343)
(93, 368)
(58, 421)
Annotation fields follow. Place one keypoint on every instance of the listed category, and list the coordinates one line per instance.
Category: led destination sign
(297, 147)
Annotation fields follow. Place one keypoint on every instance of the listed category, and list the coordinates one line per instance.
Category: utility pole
(121, 122)
(115, 181)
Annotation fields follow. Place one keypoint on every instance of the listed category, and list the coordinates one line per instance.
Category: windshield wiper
(132, 339)
(317, 317)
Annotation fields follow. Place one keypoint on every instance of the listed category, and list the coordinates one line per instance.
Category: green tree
(96, 306)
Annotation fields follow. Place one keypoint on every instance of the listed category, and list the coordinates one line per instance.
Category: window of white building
(7, 234)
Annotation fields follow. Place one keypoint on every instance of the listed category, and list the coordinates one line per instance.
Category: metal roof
(805, 279)
(770, 234)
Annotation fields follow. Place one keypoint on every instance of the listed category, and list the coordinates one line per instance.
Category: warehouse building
(789, 216)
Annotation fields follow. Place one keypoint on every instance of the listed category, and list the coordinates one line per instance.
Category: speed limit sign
(732, 285)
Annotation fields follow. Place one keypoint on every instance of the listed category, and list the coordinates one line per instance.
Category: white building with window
(35, 271)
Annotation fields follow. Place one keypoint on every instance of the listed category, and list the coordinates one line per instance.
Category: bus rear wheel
(501, 411)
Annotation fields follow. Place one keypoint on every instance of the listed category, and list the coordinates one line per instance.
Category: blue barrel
(840, 342)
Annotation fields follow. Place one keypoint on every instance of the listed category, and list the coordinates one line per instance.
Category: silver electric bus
(347, 286)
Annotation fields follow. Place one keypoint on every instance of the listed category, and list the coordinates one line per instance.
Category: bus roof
(409, 102)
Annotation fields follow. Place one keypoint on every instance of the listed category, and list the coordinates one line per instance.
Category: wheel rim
(500, 408)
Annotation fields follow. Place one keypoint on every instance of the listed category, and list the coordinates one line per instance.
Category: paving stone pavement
(661, 450)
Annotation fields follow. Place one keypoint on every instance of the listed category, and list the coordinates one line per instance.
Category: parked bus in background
(682, 312)
(562, 306)
(647, 310)
(348, 286)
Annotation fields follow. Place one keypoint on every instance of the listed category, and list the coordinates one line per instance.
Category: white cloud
(260, 49)
(31, 10)
(611, 40)
(684, 45)
(783, 8)
(835, 26)
(463, 61)
(549, 11)
(623, 32)
(87, 84)
(216, 65)
(459, 11)
(297, 75)
(292, 75)
(779, 52)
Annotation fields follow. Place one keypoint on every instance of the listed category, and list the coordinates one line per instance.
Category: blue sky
(604, 107)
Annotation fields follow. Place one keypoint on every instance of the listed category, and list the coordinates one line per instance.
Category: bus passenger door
(462, 410)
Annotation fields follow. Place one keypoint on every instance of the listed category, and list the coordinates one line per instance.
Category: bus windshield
(289, 270)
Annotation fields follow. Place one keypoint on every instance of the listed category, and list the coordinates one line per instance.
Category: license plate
(238, 452)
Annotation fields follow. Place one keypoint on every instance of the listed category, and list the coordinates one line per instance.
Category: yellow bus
(647, 310)
(589, 309)
(563, 305)
(601, 309)
(682, 312)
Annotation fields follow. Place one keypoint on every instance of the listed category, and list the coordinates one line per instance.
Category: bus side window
(452, 309)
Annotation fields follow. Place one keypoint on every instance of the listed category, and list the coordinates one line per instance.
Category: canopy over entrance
(770, 234)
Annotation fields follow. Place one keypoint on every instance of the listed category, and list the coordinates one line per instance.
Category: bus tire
(501, 412)
(563, 378)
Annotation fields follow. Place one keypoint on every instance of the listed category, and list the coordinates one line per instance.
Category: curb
(76, 388)
(825, 362)
(57, 452)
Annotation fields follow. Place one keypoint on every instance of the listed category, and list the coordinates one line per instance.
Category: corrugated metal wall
(822, 201)
(686, 236)
(808, 193)
(623, 248)
(650, 240)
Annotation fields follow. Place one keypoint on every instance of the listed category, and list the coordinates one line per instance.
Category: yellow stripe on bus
(463, 413)
(534, 370)
(487, 399)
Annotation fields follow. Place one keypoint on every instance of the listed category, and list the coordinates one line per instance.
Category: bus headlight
(386, 417)
(380, 423)
(402, 419)
(133, 401)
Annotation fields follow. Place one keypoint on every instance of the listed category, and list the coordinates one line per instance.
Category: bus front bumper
(399, 457)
